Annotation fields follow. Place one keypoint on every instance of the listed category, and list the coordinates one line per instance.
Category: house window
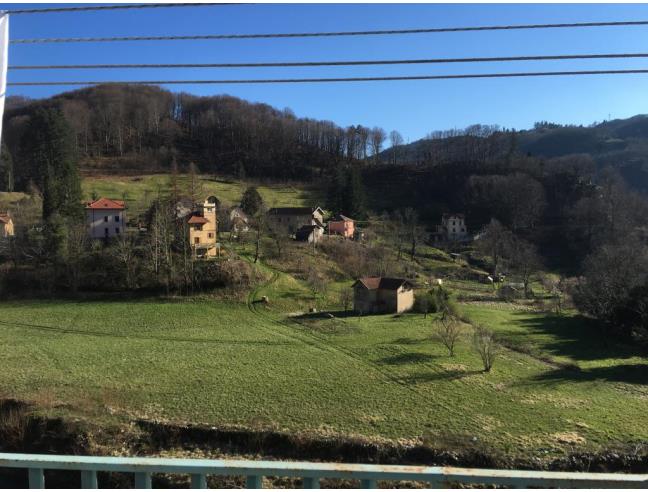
(116, 218)
(210, 235)
(116, 230)
(196, 240)
(105, 218)
(106, 231)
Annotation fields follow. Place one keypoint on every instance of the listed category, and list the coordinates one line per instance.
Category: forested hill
(621, 144)
(137, 129)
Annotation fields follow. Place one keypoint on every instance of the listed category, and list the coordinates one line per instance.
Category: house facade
(105, 218)
(452, 228)
(309, 233)
(341, 225)
(239, 221)
(6, 225)
(381, 295)
(202, 228)
(293, 218)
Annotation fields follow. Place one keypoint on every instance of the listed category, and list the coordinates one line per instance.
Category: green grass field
(235, 363)
(139, 191)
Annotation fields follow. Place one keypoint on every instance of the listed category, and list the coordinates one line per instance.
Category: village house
(6, 225)
(105, 218)
(452, 228)
(238, 221)
(342, 226)
(293, 218)
(203, 230)
(374, 295)
(309, 233)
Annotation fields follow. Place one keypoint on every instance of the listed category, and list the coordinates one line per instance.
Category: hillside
(621, 144)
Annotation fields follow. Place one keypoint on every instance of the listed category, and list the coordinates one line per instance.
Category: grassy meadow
(140, 191)
(555, 387)
(219, 362)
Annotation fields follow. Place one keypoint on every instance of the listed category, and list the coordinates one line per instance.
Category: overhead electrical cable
(335, 79)
(329, 63)
(328, 34)
(109, 7)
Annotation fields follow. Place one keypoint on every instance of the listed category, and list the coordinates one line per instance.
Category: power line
(329, 34)
(335, 79)
(108, 7)
(330, 63)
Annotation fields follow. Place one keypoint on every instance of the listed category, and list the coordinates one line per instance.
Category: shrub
(485, 345)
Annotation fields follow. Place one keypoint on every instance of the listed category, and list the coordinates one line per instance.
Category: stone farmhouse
(105, 218)
(6, 225)
(381, 295)
(293, 218)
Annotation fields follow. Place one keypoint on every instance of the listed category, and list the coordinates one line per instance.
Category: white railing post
(142, 480)
(198, 481)
(254, 482)
(36, 478)
(89, 479)
(311, 482)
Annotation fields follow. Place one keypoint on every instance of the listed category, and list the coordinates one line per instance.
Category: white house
(453, 227)
(105, 218)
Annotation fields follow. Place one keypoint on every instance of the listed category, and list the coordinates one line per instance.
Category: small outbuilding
(381, 295)
(6, 225)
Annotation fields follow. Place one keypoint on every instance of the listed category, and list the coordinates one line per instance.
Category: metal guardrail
(311, 473)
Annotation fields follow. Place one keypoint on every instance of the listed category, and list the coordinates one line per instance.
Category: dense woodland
(573, 213)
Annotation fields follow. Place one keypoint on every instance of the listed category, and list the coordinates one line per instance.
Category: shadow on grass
(91, 333)
(431, 377)
(409, 341)
(576, 337)
(407, 358)
(624, 373)
(325, 315)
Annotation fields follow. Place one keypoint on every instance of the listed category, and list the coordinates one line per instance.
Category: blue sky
(413, 108)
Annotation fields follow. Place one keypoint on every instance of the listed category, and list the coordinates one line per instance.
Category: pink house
(341, 225)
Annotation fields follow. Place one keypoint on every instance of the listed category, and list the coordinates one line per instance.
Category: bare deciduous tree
(124, 253)
(485, 345)
(377, 138)
(346, 298)
(448, 330)
(396, 140)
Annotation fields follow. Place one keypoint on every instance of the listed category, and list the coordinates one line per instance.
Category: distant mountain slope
(622, 144)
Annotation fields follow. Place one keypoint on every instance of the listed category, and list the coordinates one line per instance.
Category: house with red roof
(203, 230)
(341, 225)
(105, 218)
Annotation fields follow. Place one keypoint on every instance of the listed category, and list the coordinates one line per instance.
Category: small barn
(381, 295)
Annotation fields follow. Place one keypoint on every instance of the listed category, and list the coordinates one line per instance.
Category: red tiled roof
(4, 218)
(386, 283)
(106, 204)
(197, 219)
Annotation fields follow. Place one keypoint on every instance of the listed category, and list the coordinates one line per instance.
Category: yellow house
(6, 225)
(203, 231)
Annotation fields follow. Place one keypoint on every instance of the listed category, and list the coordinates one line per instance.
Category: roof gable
(382, 283)
(294, 210)
(106, 204)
